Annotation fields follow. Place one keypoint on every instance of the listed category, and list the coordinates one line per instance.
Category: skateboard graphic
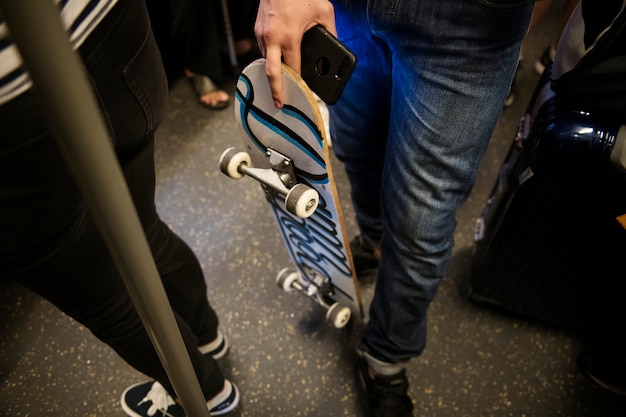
(286, 152)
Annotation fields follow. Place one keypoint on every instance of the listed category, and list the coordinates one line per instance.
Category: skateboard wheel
(285, 279)
(302, 201)
(338, 315)
(231, 160)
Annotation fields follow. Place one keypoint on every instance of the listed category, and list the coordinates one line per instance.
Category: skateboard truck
(300, 199)
(283, 167)
(319, 290)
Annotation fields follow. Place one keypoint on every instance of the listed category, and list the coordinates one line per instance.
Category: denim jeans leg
(359, 121)
(451, 64)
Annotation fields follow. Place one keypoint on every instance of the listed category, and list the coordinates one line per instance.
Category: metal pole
(229, 37)
(68, 102)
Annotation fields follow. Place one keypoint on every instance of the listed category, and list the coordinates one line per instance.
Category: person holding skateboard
(411, 128)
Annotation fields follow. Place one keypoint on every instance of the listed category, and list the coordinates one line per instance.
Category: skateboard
(286, 152)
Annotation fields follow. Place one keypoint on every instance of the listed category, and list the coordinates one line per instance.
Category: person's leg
(51, 244)
(359, 121)
(542, 7)
(178, 266)
(450, 78)
(55, 250)
(140, 94)
(161, 17)
(548, 54)
(194, 31)
(451, 66)
(242, 17)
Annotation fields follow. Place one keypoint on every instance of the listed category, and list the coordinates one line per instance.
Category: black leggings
(48, 241)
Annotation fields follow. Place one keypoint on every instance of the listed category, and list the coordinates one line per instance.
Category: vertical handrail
(68, 102)
(230, 41)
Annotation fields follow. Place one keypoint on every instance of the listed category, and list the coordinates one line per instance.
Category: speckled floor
(284, 357)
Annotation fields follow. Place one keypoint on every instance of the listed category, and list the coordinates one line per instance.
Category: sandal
(203, 85)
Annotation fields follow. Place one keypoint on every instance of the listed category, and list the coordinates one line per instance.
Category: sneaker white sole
(230, 390)
(220, 343)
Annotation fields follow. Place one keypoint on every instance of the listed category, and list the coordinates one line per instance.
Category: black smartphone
(326, 63)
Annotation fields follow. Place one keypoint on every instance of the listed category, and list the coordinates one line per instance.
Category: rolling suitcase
(551, 241)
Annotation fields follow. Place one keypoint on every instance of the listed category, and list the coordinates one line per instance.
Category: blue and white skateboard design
(286, 151)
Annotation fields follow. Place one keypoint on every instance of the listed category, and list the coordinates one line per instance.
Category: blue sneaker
(150, 399)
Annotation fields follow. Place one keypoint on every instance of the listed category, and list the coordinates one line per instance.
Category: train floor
(284, 357)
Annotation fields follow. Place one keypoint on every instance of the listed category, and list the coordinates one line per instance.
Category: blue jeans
(411, 127)
(48, 241)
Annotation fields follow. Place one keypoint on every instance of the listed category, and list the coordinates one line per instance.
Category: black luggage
(551, 241)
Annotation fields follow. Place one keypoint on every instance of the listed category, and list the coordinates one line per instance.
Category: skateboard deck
(286, 151)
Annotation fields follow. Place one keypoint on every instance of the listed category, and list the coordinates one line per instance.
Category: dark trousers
(48, 241)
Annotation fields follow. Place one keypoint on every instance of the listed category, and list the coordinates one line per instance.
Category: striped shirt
(79, 17)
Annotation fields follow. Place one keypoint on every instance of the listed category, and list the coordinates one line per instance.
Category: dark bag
(590, 65)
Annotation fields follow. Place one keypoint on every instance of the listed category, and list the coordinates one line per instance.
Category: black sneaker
(364, 255)
(150, 399)
(386, 395)
(226, 401)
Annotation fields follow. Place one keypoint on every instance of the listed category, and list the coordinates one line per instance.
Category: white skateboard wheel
(285, 279)
(231, 160)
(338, 315)
(302, 201)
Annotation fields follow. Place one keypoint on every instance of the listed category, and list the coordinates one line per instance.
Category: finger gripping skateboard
(286, 152)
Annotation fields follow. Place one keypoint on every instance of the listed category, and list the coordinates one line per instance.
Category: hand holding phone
(326, 63)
